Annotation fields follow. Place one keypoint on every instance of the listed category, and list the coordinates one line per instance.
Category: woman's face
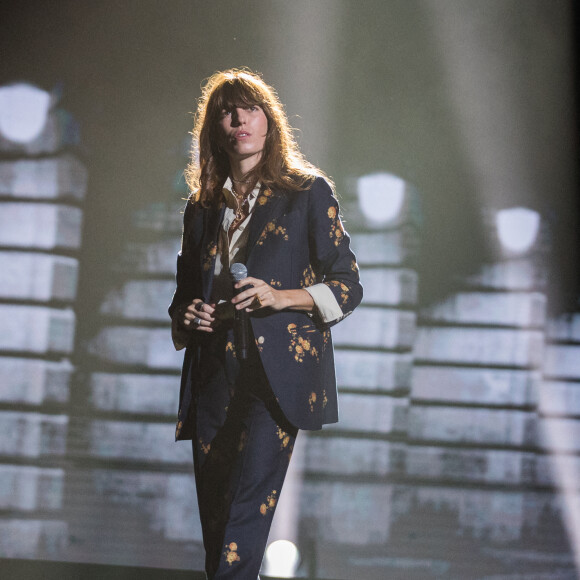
(244, 130)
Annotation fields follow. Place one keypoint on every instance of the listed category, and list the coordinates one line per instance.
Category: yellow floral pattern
(275, 283)
(264, 197)
(336, 231)
(344, 290)
(210, 254)
(313, 398)
(312, 401)
(270, 503)
(284, 438)
(308, 277)
(205, 448)
(272, 230)
(178, 428)
(231, 553)
(230, 348)
(354, 267)
(301, 346)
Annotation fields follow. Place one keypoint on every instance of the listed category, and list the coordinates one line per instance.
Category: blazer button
(261, 340)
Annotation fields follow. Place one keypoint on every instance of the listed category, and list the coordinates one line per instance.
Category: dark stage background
(450, 128)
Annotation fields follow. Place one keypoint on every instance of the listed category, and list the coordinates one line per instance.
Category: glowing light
(281, 559)
(517, 228)
(23, 112)
(380, 197)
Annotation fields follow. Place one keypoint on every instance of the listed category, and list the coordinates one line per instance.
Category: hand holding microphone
(252, 294)
(241, 317)
(247, 297)
(255, 293)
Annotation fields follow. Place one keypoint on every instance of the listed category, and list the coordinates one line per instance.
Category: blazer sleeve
(332, 260)
(187, 269)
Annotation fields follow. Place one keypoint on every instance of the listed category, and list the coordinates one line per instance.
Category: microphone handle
(242, 331)
(242, 334)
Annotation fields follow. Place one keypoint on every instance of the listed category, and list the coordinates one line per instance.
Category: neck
(242, 182)
(241, 167)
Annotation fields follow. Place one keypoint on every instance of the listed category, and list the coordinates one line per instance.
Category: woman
(258, 202)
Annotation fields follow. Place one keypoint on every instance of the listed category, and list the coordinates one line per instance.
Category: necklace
(241, 180)
(239, 196)
(242, 209)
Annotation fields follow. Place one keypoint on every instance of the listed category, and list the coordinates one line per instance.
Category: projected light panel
(465, 410)
(517, 228)
(131, 392)
(41, 190)
(419, 388)
(23, 112)
(373, 353)
(380, 198)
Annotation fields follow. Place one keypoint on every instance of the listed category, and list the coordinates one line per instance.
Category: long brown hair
(282, 165)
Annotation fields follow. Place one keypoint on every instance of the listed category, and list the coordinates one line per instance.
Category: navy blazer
(296, 239)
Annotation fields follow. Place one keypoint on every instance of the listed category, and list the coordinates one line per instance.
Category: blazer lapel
(269, 205)
(212, 220)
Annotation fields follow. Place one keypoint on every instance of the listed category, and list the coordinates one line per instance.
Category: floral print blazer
(296, 239)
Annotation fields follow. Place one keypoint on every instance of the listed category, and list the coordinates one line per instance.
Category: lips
(241, 135)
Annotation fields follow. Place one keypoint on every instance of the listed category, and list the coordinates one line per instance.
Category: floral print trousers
(241, 450)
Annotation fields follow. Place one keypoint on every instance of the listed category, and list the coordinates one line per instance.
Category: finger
(256, 303)
(202, 328)
(200, 306)
(193, 315)
(202, 325)
(206, 314)
(258, 288)
(208, 326)
(248, 281)
(244, 299)
(243, 296)
(265, 300)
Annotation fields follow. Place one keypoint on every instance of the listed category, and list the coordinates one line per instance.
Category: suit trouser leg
(239, 477)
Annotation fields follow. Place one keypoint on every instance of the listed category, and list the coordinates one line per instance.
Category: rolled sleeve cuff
(325, 302)
(180, 337)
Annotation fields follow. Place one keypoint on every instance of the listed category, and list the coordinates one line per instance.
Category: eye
(253, 108)
(225, 113)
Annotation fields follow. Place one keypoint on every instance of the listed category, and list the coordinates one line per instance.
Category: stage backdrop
(450, 130)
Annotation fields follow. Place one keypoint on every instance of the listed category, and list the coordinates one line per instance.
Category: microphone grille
(238, 271)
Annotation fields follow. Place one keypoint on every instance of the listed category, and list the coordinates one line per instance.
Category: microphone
(241, 317)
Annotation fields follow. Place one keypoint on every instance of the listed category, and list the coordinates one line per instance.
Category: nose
(239, 116)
